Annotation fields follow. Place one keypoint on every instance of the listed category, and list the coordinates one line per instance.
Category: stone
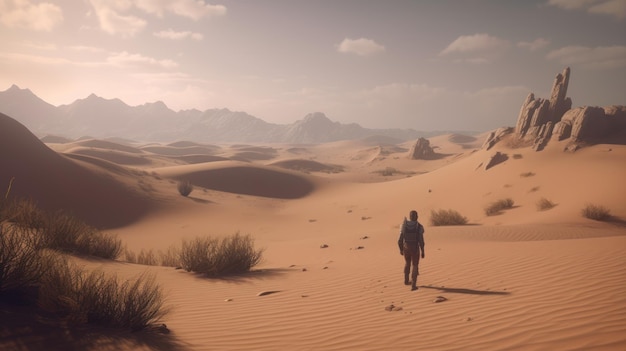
(496, 159)
(422, 150)
(558, 101)
(495, 136)
(440, 299)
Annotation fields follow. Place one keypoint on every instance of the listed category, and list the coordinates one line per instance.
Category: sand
(522, 280)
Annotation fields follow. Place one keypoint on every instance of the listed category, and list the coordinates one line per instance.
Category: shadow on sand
(260, 274)
(466, 291)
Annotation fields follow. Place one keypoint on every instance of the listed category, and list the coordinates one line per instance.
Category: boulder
(496, 159)
(422, 150)
(587, 123)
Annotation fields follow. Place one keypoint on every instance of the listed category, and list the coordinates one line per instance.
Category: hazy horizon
(426, 65)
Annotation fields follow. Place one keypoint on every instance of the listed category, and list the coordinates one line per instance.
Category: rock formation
(541, 120)
(422, 150)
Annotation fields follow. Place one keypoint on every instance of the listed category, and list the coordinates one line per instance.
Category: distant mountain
(104, 118)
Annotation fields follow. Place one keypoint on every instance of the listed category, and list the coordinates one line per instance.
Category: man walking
(411, 242)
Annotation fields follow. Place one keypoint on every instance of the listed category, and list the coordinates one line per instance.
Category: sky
(429, 65)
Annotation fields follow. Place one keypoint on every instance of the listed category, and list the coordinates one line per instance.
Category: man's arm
(421, 238)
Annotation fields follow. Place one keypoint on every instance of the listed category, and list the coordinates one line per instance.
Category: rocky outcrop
(422, 150)
(495, 136)
(541, 120)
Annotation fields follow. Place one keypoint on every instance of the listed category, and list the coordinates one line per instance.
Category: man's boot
(406, 279)
(414, 282)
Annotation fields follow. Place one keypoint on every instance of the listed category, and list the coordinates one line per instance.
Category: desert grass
(44, 278)
(498, 206)
(59, 230)
(231, 255)
(596, 212)
(544, 204)
(185, 187)
(83, 297)
(446, 217)
(168, 258)
(22, 264)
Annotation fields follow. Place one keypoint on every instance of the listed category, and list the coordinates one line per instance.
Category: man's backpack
(411, 232)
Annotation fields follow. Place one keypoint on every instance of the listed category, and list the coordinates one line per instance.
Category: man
(411, 242)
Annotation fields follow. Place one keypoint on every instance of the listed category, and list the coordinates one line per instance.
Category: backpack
(411, 232)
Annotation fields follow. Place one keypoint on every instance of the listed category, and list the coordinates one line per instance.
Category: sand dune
(522, 280)
(307, 166)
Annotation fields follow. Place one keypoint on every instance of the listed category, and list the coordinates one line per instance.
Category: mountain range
(97, 117)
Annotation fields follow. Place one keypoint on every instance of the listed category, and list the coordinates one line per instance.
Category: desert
(194, 175)
(327, 218)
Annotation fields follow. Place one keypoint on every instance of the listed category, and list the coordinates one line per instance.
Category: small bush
(231, 255)
(22, 265)
(517, 156)
(446, 217)
(544, 204)
(596, 212)
(67, 233)
(185, 187)
(527, 174)
(497, 207)
(95, 298)
(169, 258)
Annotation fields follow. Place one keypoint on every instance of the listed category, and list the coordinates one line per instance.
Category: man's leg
(415, 261)
(407, 266)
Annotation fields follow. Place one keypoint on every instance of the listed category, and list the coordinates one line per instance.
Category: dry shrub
(231, 255)
(185, 187)
(527, 174)
(497, 207)
(67, 233)
(168, 258)
(596, 212)
(95, 298)
(544, 204)
(446, 217)
(22, 264)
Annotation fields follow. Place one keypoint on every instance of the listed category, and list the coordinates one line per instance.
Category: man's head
(413, 215)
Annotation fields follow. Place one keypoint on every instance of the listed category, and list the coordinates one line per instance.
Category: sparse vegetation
(33, 271)
(169, 258)
(596, 212)
(533, 189)
(446, 217)
(185, 187)
(230, 255)
(96, 298)
(497, 207)
(517, 156)
(527, 174)
(544, 204)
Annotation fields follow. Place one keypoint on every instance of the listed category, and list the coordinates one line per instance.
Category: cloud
(23, 14)
(113, 22)
(477, 48)
(194, 9)
(361, 47)
(126, 59)
(534, 45)
(174, 35)
(615, 8)
(601, 57)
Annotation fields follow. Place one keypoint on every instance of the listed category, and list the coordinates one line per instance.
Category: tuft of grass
(544, 204)
(83, 297)
(446, 217)
(497, 207)
(185, 187)
(526, 174)
(231, 255)
(67, 233)
(34, 272)
(596, 212)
